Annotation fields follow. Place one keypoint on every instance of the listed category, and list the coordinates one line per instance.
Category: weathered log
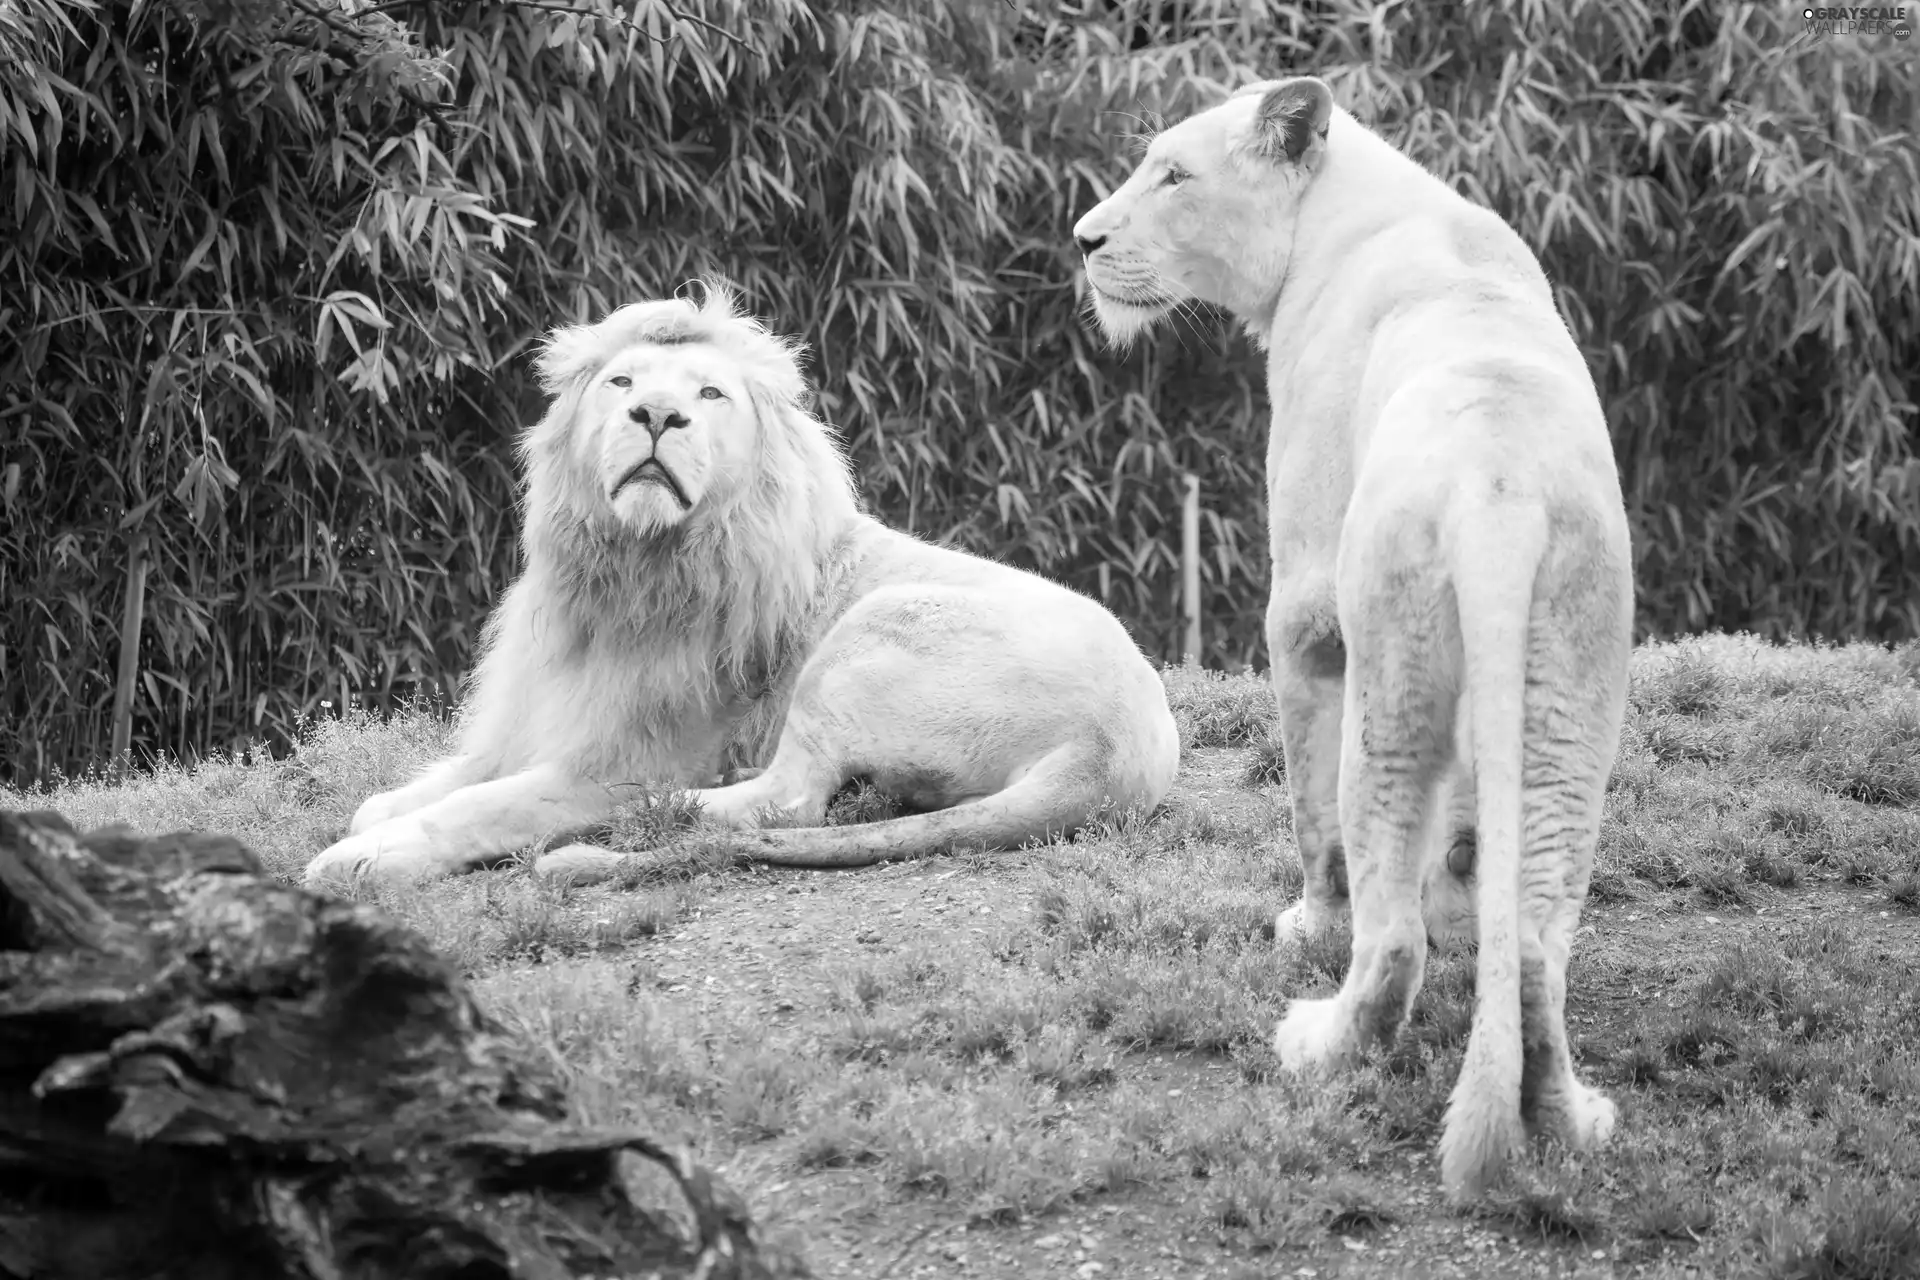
(208, 1075)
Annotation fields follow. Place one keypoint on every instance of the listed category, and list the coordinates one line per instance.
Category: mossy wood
(207, 1074)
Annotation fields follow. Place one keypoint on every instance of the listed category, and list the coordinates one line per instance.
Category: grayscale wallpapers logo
(1872, 20)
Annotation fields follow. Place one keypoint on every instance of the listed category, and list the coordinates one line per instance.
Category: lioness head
(1209, 213)
(667, 412)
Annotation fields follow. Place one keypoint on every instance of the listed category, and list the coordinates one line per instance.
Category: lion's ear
(564, 357)
(551, 431)
(1291, 117)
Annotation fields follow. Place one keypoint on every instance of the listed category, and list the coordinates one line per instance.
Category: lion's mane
(639, 633)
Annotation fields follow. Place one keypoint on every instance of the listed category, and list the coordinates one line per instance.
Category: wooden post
(131, 618)
(1190, 567)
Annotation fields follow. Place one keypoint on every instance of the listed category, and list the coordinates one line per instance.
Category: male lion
(1452, 600)
(702, 592)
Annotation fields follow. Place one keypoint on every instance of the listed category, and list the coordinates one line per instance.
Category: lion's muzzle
(650, 470)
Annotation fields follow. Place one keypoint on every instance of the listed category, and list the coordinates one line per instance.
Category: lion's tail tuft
(1483, 1126)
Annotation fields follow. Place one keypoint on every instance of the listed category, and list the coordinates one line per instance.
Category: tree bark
(209, 1075)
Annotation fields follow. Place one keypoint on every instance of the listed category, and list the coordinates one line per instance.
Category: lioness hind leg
(1553, 1102)
(1575, 701)
(1562, 825)
(1397, 746)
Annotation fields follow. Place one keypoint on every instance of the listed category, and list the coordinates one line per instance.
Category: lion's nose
(657, 418)
(1089, 243)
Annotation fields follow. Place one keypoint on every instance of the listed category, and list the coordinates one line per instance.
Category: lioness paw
(578, 864)
(1585, 1117)
(1314, 1036)
(1302, 922)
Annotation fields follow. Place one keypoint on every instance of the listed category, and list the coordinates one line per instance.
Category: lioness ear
(1290, 117)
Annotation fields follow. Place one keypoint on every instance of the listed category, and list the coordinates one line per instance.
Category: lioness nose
(656, 419)
(1089, 243)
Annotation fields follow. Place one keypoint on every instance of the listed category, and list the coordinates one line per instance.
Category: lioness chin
(703, 597)
(1452, 603)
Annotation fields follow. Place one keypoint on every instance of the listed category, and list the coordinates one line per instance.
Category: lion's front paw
(396, 853)
(1314, 1036)
(578, 864)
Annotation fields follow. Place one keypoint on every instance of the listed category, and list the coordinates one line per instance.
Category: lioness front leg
(1396, 769)
(1309, 683)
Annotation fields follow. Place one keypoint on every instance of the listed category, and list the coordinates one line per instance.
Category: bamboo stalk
(131, 618)
(1190, 567)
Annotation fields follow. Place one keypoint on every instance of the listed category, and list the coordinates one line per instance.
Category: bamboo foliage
(269, 270)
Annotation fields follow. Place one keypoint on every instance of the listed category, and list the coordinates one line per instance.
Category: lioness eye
(710, 393)
(1175, 176)
(621, 380)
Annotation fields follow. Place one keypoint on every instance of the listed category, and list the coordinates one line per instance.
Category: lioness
(703, 596)
(1452, 598)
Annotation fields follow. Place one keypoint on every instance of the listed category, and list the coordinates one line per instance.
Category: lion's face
(1208, 215)
(663, 428)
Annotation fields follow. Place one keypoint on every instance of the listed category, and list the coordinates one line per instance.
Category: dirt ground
(766, 940)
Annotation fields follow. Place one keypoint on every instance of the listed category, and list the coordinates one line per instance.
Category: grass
(1071, 1042)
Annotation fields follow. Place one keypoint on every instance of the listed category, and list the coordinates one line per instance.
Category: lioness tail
(1497, 556)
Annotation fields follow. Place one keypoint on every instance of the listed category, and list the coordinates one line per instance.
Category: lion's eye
(1175, 176)
(621, 380)
(711, 393)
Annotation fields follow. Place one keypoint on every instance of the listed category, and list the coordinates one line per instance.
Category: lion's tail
(1051, 799)
(1498, 557)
